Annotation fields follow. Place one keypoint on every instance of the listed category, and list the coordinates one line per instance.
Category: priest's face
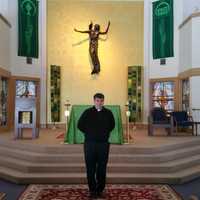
(98, 102)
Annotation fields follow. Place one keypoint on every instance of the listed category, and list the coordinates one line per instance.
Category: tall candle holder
(128, 113)
(67, 113)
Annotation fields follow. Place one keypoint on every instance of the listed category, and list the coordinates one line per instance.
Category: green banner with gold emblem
(28, 28)
(163, 29)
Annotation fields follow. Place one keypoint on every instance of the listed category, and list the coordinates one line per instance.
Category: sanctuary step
(173, 163)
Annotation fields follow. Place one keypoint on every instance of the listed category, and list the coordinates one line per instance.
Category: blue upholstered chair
(158, 118)
(182, 119)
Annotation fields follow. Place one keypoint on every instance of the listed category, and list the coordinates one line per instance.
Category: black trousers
(96, 158)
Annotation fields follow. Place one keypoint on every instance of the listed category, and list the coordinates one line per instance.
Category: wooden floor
(139, 137)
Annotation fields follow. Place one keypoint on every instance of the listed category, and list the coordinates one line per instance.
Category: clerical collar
(98, 109)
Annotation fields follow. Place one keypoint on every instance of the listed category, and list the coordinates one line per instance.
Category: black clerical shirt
(96, 125)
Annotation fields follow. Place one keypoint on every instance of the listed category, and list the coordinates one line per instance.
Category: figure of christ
(94, 32)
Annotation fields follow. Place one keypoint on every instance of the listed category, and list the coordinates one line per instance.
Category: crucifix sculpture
(94, 32)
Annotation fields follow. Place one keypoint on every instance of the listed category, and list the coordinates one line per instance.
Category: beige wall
(122, 47)
(4, 46)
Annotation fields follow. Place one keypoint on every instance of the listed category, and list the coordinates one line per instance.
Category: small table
(196, 127)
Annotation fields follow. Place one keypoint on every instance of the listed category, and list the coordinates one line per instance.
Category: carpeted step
(114, 158)
(166, 167)
(171, 178)
(172, 163)
(78, 148)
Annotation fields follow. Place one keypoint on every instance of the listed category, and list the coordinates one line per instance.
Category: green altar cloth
(75, 136)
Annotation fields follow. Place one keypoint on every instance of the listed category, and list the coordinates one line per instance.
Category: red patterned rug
(112, 192)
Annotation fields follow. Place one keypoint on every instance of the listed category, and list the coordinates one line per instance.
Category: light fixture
(67, 113)
(128, 113)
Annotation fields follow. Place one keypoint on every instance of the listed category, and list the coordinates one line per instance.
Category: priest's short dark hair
(99, 96)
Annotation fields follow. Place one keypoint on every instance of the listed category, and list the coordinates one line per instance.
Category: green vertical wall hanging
(135, 93)
(55, 93)
(28, 28)
(163, 29)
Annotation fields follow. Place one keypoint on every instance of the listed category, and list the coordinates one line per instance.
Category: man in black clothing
(96, 123)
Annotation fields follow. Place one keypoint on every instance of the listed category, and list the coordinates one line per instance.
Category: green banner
(163, 29)
(135, 91)
(28, 28)
(55, 93)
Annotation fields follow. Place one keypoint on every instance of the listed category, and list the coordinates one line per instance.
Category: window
(186, 95)
(25, 88)
(163, 95)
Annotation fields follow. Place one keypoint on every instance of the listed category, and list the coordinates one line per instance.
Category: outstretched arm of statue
(81, 31)
(90, 25)
(106, 29)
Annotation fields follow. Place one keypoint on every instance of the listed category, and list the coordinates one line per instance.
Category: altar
(75, 136)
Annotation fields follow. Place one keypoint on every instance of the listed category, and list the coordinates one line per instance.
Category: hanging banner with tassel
(163, 29)
(28, 28)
